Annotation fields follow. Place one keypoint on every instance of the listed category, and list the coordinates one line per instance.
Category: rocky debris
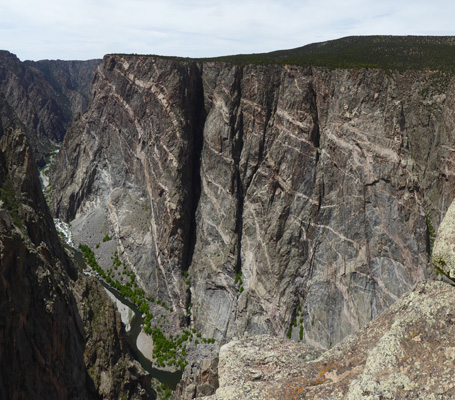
(408, 352)
(260, 199)
(60, 335)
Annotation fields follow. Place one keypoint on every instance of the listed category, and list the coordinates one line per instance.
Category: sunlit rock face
(296, 198)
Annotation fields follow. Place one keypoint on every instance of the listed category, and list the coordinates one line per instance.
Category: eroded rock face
(199, 379)
(111, 367)
(313, 184)
(71, 79)
(407, 352)
(41, 335)
(45, 96)
(136, 181)
(60, 336)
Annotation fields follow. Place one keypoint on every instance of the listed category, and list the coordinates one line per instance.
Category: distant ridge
(385, 52)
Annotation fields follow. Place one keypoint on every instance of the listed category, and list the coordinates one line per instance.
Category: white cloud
(91, 28)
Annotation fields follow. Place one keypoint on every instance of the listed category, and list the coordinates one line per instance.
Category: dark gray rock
(314, 184)
(139, 181)
(60, 336)
(45, 96)
(199, 379)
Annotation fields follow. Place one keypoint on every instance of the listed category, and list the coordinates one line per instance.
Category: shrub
(12, 201)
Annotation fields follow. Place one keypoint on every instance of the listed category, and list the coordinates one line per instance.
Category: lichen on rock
(444, 245)
(405, 353)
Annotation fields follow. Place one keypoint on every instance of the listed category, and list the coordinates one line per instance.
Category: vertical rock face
(53, 319)
(69, 79)
(443, 251)
(140, 180)
(258, 170)
(295, 197)
(41, 335)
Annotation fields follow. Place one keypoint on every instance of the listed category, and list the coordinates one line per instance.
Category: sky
(86, 29)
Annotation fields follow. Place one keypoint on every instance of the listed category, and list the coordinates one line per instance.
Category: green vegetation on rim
(12, 201)
(385, 52)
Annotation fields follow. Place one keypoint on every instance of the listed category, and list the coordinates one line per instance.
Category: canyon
(256, 202)
(45, 96)
(290, 197)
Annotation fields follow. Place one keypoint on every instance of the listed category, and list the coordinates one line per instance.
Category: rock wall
(45, 96)
(60, 336)
(296, 198)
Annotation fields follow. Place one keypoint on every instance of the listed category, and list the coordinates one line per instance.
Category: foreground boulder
(407, 352)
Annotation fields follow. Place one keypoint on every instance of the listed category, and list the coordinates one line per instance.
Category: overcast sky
(84, 29)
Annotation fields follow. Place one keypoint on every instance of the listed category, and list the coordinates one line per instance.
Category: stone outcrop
(408, 352)
(45, 96)
(444, 245)
(199, 379)
(107, 357)
(295, 197)
(41, 335)
(60, 336)
(71, 81)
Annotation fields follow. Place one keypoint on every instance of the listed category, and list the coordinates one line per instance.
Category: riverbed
(169, 379)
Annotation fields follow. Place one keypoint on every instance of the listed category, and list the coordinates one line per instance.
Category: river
(169, 379)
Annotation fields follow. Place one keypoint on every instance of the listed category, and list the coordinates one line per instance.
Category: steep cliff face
(129, 174)
(295, 197)
(69, 79)
(45, 95)
(49, 336)
(41, 335)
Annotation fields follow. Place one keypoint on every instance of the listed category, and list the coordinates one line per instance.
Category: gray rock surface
(295, 197)
(199, 379)
(406, 353)
(141, 182)
(444, 245)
